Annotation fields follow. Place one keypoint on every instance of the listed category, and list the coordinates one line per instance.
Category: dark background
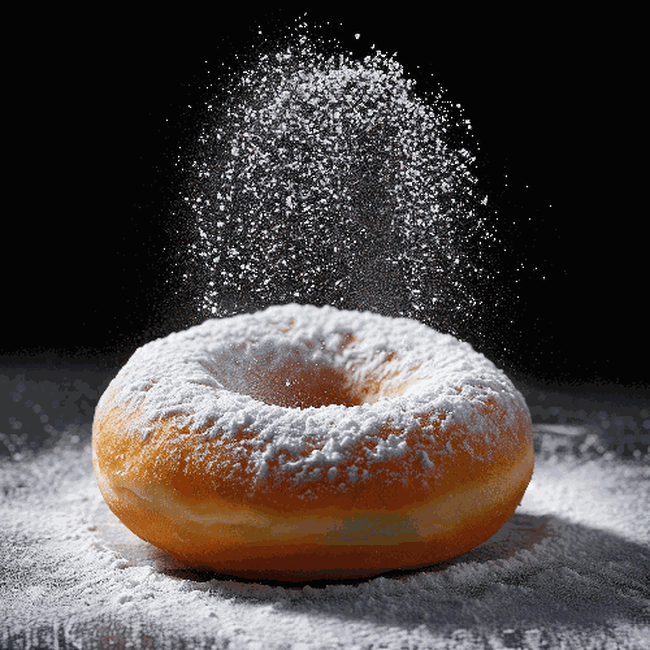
(104, 113)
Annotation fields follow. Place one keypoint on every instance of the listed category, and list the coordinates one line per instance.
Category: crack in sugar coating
(410, 395)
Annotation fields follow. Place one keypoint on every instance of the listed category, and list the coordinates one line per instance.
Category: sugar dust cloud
(328, 179)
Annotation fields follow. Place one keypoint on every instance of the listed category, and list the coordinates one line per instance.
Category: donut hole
(300, 384)
(291, 379)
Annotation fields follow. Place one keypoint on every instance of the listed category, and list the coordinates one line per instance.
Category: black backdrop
(104, 111)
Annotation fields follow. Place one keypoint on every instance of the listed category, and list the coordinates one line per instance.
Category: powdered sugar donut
(303, 443)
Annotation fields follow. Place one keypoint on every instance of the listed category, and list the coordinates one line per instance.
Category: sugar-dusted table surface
(569, 570)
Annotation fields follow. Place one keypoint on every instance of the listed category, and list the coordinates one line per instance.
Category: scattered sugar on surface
(568, 570)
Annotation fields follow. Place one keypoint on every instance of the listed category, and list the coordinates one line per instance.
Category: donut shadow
(538, 569)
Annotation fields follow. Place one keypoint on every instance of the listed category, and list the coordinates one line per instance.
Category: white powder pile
(328, 180)
(568, 570)
(208, 379)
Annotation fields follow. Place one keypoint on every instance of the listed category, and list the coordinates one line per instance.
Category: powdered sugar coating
(399, 373)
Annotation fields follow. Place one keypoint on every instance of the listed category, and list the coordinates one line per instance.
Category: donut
(306, 443)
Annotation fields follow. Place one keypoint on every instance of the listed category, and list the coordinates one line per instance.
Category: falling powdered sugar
(327, 180)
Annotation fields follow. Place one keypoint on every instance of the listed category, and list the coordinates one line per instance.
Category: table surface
(569, 569)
